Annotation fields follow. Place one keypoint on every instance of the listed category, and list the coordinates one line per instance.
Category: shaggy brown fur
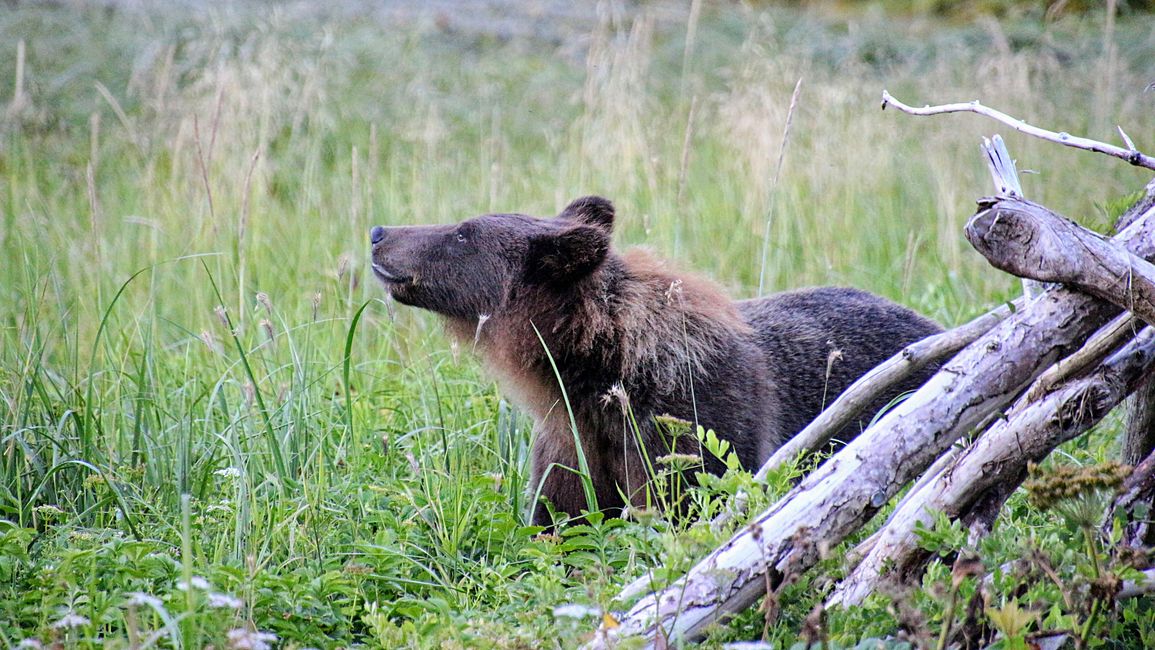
(632, 340)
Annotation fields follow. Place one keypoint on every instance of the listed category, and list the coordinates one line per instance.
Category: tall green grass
(200, 378)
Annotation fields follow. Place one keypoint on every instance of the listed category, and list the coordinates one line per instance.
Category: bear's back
(819, 341)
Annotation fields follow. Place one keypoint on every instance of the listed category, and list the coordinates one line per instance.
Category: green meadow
(215, 429)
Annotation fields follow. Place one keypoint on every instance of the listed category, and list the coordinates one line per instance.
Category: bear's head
(469, 269)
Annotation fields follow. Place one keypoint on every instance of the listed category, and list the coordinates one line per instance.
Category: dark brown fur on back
(630, 340)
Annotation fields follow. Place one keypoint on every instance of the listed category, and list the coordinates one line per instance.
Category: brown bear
(544, 300)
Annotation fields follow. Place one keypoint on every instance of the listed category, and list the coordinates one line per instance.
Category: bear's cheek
(404, 294)
(424, 297)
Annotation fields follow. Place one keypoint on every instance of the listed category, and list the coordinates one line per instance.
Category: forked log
(1100, 345)
(998, 460)
(1031, 242)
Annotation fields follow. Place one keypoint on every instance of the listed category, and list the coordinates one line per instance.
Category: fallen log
(998, 461)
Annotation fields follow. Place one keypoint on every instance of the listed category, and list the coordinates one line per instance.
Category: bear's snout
(376, 234)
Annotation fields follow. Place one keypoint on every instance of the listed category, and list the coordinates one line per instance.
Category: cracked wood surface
(1028, 240)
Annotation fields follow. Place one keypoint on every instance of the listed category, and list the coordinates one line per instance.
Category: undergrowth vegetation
(216, 431)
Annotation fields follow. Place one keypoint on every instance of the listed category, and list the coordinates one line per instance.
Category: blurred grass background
(186, 192)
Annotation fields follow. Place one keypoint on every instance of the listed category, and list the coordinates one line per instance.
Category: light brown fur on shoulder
(672, 320)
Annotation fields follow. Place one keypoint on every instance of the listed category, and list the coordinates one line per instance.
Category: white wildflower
(141, 599)
(30, 643)
(228, 472)
(573, 610)
(69, 621)
(224, 506)
(243, 639)
(225, 601)
(197, 582)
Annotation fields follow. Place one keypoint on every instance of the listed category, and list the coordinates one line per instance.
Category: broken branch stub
(1028, 240)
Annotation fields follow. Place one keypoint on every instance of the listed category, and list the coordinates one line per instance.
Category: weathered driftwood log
(1028, 240)
(1101, 344)
(850, 488)
(879, 381)
(895, 545)
(997, 461)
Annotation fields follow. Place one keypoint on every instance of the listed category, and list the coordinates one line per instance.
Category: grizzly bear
(595, 345)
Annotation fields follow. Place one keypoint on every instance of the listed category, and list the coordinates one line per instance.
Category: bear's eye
(461, 238)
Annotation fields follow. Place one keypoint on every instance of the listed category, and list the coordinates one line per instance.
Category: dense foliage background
(215, 429)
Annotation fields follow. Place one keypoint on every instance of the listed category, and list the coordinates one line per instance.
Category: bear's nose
(377, 234)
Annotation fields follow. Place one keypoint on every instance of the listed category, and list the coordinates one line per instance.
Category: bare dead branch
(1131, 155)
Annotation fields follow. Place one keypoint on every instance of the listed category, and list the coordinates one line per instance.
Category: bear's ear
(567, 255)
(590, 210)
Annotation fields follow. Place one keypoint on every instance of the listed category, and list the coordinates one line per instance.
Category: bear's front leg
(555, 477)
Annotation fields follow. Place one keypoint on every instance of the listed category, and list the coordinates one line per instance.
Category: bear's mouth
(390, 277)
